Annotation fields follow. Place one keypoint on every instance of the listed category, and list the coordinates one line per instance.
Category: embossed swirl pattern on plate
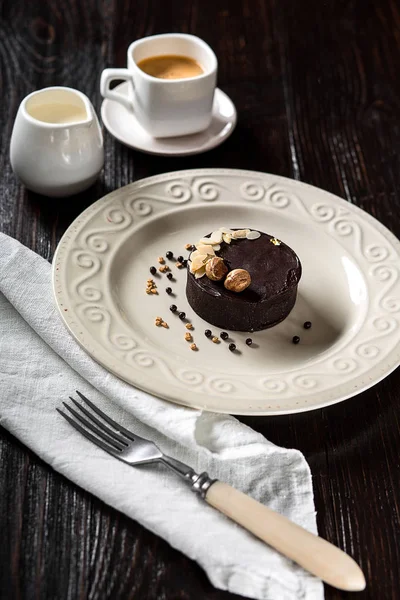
(341, 223)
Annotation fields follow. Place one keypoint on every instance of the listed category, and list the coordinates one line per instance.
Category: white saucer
(123, 125)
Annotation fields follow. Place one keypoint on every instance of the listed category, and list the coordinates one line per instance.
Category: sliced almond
(227, 237)
(225, 230)
(200, 273)
(199, 262)
(204, 249)
(195, 254)
(253, 235)
(240, 233)
(192, 268)
(217, 247)
(212, 241)
(216, 237)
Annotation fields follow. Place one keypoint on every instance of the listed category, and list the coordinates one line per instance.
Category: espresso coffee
(170, 66)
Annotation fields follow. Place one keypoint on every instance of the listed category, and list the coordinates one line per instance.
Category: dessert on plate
(242, 280)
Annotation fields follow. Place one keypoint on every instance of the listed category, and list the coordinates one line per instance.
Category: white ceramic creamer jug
(56, 144)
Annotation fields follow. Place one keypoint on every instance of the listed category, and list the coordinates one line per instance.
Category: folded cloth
(41, 365)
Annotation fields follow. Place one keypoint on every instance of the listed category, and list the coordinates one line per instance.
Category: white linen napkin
(41, 365)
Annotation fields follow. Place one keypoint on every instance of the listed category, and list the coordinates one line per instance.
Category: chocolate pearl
(182, 316)
(184, 262)
(249, 341)
(307, 325)
(170, 276)
(168, 290)
(169, 254)
(208, 333)
(173, 308)
(295, 339)
(153, 270)
(232, 347)
(223, 335)
(180, 259)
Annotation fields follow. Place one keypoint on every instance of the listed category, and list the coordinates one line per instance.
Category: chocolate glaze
(275, 272)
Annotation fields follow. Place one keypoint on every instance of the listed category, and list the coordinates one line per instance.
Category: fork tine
(88, 424)
(88, 435)
(100, 424)
(108, 419)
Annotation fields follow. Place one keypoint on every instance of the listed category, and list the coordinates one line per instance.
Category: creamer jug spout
(84, 117)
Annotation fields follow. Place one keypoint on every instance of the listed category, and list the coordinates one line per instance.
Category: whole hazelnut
(216, 269)
(237, 280)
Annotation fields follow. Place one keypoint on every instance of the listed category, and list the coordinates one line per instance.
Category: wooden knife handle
(313, 553)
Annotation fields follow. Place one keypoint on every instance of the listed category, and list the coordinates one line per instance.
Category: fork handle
(310, 551)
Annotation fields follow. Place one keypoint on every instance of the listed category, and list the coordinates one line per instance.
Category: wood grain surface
(317, 88)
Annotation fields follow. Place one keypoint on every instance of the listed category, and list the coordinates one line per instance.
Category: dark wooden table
(317, 88)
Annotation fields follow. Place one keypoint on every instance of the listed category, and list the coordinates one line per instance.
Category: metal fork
(313, 553)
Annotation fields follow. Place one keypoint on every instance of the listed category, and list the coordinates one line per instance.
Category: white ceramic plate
(350, 290)
(124, 126)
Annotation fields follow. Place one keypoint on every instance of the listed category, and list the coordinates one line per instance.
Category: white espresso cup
(167, 107)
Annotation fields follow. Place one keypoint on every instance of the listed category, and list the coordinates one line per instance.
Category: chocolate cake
(242, 280)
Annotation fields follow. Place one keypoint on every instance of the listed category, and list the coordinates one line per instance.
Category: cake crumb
(159, 322)
(151, 287)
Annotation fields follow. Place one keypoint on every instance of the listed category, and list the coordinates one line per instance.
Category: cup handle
(107, 76)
